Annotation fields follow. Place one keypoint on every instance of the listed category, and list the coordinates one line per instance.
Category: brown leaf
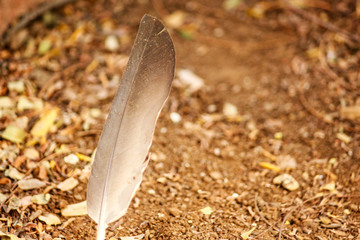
(5, 181)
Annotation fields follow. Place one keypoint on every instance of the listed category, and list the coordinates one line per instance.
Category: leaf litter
(300, 120)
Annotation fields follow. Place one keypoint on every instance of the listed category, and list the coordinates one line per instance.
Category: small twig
(292, 210)
(31, 16)
(319, 115)
(266, 221)
(318, 21)
(310, 109)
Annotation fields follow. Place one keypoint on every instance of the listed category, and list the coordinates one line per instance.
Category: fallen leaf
(46, 121)
(50, 219)
(14, 134)
(41, 199)
(5, 180)
(33, 183)
(14, 203)
(77, 209)
(25, 103)
(13, 173)
(83, 157)
(68, 184)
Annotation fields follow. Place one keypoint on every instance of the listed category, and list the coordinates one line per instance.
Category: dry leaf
(14, 134)
(13, 173)
(46, 121)
(77, 209)
(50, 219)
(33, 183)
(41, 199)
(68, 184)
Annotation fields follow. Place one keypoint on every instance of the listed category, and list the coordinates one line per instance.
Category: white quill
(124, 143)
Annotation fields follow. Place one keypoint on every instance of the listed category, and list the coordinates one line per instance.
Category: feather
(121, 156)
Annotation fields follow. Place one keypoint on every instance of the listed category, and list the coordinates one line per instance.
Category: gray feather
(127, 135)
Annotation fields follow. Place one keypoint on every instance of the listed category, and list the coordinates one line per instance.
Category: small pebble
(112, 43)
(175, 117)
(190, 80)
(206, 210)
(71, 159)
(216, 175)
(230, 109)
(287, 181)
(174, 212)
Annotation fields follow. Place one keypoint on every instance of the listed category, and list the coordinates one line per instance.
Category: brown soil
(199, 164)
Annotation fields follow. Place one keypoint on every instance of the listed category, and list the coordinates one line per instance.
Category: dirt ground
(264, 110)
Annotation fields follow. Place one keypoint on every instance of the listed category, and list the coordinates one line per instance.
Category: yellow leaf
(92, 66)
(14, 134)
(270, 166)
(43, 125)
(83, 157)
